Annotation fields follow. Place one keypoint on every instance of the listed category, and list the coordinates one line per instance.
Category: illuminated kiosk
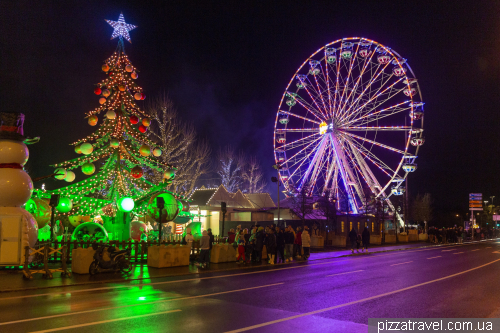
(90, 231)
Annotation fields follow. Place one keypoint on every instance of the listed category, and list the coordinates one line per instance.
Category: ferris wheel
(350, 124)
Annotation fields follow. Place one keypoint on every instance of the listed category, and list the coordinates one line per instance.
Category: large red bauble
(142, 129)
(134, 119)
(105, 67)
(97, 91)
(137, 228)
(136, 172)
(143, 96)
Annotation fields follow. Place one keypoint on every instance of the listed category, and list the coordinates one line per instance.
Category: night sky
(226, 65)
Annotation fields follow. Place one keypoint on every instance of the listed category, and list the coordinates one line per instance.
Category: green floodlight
(30, 205)
(125, 204)
(65, 205)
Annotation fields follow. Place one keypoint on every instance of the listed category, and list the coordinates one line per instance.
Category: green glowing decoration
(90, 231)
(40, 210)
(65, 205)
(168, 213)
(88, 168)
(125, 204)
(114, 143)
(70, 176)
(60, 173)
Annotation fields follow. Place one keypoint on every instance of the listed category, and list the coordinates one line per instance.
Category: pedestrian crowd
(281, 244)
(460, 235)
(359, 239)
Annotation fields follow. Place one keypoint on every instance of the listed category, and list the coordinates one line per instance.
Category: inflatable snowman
(18, 228)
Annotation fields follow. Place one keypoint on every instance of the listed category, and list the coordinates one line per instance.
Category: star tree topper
(121, 28)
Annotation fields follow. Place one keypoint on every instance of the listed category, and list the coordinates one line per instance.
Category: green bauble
(169, 174)
(70, 176)
(88, 168)
(169, 212)
(61, 173)
(65, 205)
(145, 150)
(114, 143)
(86, 148)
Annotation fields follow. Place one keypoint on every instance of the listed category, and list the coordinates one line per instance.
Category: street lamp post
(277, 181)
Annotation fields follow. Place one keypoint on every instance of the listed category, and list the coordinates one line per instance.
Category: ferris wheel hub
(327, 126)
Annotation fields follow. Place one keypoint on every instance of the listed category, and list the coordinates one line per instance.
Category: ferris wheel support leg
(399, 219)
(332, 170)
(314, 164)
(317, 165)
(370, 179)
(345, 172)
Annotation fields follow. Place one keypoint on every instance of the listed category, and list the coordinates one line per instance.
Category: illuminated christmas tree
(117, 155)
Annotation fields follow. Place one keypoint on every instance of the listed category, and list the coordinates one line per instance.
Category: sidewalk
(13, 280)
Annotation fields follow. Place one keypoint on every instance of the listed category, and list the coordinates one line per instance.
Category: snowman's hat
(11, 127)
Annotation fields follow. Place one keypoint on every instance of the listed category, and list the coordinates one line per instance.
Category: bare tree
(302, 204)
(422, 208)
(326, 205)
(253, 177)
(230, 168)
(179, 146)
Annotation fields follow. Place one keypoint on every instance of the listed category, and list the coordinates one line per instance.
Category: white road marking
(435, 257)
(219, 276)
(105, 321)
(358, 301)
(198, 278)
(361, 270)
(475, 250)
(449, 250)
(402, 263)
(496, 252)
(458, 252)
(489, 247)
(128, 306)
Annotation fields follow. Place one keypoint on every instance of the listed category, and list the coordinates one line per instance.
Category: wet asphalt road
(335, 295)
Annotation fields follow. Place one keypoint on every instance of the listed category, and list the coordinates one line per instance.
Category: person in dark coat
(212, 240)
(365, 236)
(271, 245)
(230, 236)
(259, 244)
(280, 245)
(297, 245)
(248, 244)
(353, 236)
(289, 239)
